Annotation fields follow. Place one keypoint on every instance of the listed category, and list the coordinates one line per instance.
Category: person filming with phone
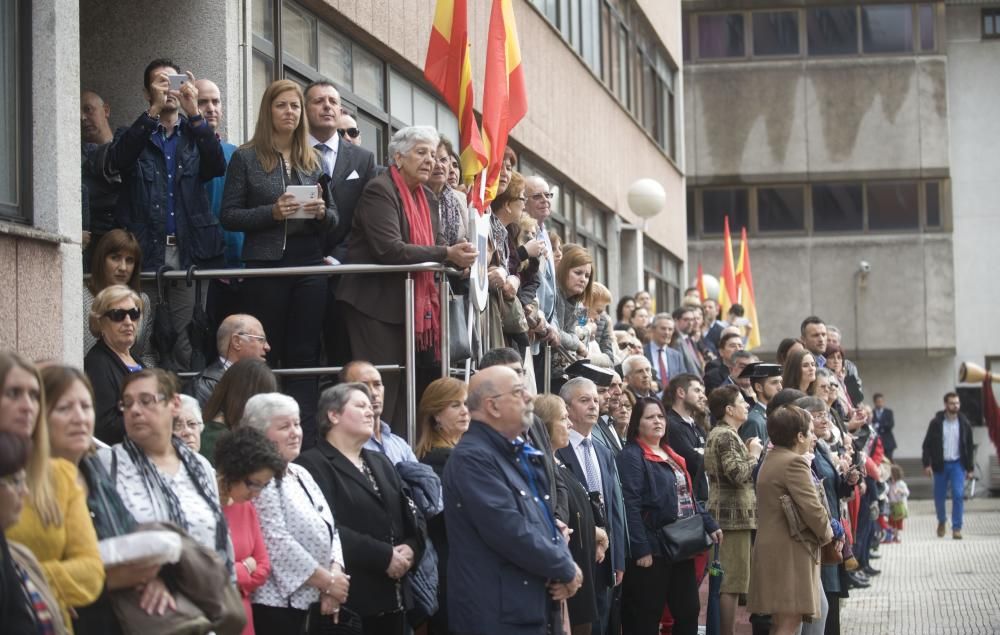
(164, 158)
(275, 194)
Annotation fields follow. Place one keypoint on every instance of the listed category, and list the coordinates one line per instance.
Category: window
(991, 24)
(887, 28)
(14, 158)
(720, 35)
(298, 34)
(263, 21)
(718, 204)
(837, 208)
(926, 13)
(335, 56)
(692, 226)
(832, 30)
(781, 209)
(775, 33)
(893, 206)
(663, 276)
(932, 193)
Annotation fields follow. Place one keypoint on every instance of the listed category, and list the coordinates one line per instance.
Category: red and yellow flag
(728, 289)
(505, 100)
(700, 285)
(449, 69)
(744, 280)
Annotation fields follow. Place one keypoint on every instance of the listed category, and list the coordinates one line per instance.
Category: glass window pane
(667, 114)
(832, 31)
(262, 74)
(720, 35)
(623, 65)
(298, 34)
(368, 77)
(686, 39)
(691, 227)
(263, 22)
(400, 98)
(372, 136)
(893, 206)
(933, 196)
(717, 204)
(424, 109)
(447, 124)
(776, 33)
(926, 27)
(837, 208)
(780, 209)
(334, 56)
(9, 124)
(887, 28)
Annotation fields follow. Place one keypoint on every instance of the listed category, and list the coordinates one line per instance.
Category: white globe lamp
(646, 198)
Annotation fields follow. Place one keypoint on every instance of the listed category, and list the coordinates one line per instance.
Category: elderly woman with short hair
(189, 423)
(307, 562)
(396, 223)
(115, 318)
(377, 524)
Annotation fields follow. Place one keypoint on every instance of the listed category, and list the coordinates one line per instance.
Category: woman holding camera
(282, 230)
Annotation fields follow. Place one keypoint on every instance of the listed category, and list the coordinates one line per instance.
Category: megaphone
(974, 373)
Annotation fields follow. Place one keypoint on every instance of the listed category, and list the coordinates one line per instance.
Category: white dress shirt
(576, 440)
(329, 155)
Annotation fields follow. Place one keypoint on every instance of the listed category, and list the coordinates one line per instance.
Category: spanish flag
(449, 69)
(744, 279)
(505, 100)
(728, 289)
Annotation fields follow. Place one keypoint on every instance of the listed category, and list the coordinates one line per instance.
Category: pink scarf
(426, 305)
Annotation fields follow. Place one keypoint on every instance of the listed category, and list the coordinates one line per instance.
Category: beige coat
(784, 574)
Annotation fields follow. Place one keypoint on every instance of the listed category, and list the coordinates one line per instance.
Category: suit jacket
(503, 547)
(691, 364)
(605, 432)
(381, 235)
(370, 523)
(884, 423)
(615, 526)
(675, 362)
(201, 385)
(347, 192)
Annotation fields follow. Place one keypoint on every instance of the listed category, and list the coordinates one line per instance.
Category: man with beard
(686, 397)
(765, 380)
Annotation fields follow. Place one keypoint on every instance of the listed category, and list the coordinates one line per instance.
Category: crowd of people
(582, 503)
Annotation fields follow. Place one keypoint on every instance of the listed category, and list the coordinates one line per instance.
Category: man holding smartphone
(165, 157)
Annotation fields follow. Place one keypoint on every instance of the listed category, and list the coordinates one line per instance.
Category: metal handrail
(409, 362)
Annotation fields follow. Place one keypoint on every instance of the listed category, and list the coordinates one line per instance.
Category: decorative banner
(479, 278)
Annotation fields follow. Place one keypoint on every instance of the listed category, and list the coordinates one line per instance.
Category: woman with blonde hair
(116, 319)
(283, 230)
(55, 524)
(598, 327)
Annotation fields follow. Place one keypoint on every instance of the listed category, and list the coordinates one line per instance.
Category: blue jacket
(141, 204)
(502, 550)
(650, 500)
(613, 512)
(675, 362)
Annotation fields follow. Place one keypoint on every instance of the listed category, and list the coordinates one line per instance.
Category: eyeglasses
(259, 338)
(192, 425)
(353, 133)
(517, 391)
(253, 486)
(16, 481)
(541, 195)
(119, 315)
(146, 401)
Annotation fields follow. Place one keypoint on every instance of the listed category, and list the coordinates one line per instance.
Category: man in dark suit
(684, 323)
(948, 458)
(884, 422)
(349, 167)
(594, 466)
(509, 566)
(666, 361)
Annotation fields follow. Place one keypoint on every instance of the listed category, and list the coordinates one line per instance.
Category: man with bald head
(239, 337)
(502, 535)
(100, 189)
(348, 129)
(95, 115)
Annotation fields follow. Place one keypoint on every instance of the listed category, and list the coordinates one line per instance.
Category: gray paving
(934, 585)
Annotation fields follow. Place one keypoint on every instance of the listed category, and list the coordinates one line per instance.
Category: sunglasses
(118, 315)
(353, 133)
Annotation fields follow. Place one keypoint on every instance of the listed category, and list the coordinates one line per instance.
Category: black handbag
(199, 329)
(348, 622)
(458, 329)
(684, 538)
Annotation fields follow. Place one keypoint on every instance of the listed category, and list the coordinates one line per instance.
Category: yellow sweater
(68, 552)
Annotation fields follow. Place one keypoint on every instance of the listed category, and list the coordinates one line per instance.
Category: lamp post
(646, 198)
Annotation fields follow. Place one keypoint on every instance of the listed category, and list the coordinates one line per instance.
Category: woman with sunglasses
(115, 319)
(245, 462)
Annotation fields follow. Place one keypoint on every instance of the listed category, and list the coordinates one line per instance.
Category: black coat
(106, 371)
(687, 441)
(203, 384)
(370, 524)
(933, 449)
(884, 424)
(351, 160)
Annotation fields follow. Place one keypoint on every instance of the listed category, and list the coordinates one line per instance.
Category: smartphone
(176, 81)
(302, 194)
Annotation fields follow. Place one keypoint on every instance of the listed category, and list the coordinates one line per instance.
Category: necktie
(589, 469)
(664, 377)
(326, 152)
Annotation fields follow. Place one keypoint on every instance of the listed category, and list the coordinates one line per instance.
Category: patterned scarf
(426, 305)
(41, 609)
(501, 241)
(451, 215)
(154, 482)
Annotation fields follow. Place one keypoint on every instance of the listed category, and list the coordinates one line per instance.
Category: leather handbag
(684, 538)
(348, 622)
(830, 553)
(458, 329)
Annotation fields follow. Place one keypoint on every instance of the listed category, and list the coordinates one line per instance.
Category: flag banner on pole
(728, 290)
(744, 277)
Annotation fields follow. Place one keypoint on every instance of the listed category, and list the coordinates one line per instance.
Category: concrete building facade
(849, 139)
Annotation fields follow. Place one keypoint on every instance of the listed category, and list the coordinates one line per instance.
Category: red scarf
(426, 304)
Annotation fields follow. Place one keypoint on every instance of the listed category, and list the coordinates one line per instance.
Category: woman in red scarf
(657, 491)
(396, 223)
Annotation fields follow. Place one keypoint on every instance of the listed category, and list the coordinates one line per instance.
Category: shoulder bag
(684, 538)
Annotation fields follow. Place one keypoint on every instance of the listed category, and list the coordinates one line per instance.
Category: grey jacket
(247, 200)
